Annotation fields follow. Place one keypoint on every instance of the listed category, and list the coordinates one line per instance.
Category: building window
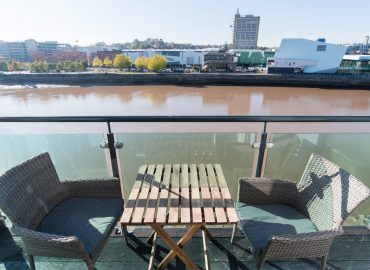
(321, 48)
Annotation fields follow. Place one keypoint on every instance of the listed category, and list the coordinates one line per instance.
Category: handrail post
(261, 152)
(112, 152)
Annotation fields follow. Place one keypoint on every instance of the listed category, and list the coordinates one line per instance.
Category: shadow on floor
(11, 253)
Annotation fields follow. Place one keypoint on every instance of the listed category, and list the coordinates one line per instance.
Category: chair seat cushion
(87, 218)
(259, 222)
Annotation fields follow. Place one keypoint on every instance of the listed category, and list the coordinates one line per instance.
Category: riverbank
(296, 80)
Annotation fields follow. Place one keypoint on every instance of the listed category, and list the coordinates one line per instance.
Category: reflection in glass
(74, 155)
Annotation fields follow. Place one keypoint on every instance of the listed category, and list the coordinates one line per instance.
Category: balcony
(269, 146)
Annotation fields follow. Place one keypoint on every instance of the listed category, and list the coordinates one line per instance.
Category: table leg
(176, 248)
(152, 253)
(208, 233)
(205, 250)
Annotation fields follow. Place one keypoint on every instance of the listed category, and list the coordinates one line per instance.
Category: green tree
(108, 62)
(157, 62)
(97, 62)
(3, 66)
(141, 62)
(121, 61)
(80, 66)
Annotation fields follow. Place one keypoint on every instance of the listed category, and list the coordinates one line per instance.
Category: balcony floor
(348, 252)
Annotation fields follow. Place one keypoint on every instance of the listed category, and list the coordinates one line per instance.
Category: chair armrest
(99, 187)
(304, 245)
(50, 245)
(267, 191)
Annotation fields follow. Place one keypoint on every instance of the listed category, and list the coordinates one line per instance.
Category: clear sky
(193, 21)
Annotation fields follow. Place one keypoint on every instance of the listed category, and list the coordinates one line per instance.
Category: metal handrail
(178, 118)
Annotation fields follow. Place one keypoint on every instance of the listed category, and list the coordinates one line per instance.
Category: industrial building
(245, 34)
(307, 56)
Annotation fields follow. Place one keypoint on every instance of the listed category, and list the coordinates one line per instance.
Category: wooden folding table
(194, 195)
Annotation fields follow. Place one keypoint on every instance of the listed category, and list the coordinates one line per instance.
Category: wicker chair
(59, 219)
(282, 220)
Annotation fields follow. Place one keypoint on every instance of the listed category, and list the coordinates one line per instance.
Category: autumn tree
(121, 61)
(141, 63)
(97, 62)
(14, 66)
(108, 62)
(156, 63)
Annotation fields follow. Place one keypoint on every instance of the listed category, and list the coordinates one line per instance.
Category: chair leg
(31, 261)
(90, 266)
(124, 233)
(260, 263)
(323, 262)
(233, 234)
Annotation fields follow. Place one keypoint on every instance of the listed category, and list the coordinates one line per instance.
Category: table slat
(140, 176)
(207, 205)
(229, 205)
(153, 196)
(184, 176)
(185, 205)
(141, 203)
(219, 207)
(194, 182)
(203, 182)
(163, 196)
(130, 205)
(173, 211)
(185, 213)
(196, 205)
(211, 176)
(220, 176)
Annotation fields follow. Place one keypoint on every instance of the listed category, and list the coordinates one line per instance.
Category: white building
(297, 55)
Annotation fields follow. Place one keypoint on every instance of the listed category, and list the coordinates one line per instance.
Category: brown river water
(181, 100)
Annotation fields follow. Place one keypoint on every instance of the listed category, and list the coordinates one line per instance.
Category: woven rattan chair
(282, 220)
(59, 219)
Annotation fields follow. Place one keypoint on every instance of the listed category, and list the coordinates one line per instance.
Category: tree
(121, 61)
(3, 66)
(97, 62)
(141, 62)
(13, 66)
(157, 62)
(108, 62)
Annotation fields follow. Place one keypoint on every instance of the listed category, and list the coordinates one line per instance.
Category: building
(58, 56)
(308, 56)
(173, 57)
(355, 64)
(361, 48)
(245, 34)
(24, 51)
(15, 50)
(252, 58)
(219, 61)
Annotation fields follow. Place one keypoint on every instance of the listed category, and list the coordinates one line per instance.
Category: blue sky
(194, 21)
